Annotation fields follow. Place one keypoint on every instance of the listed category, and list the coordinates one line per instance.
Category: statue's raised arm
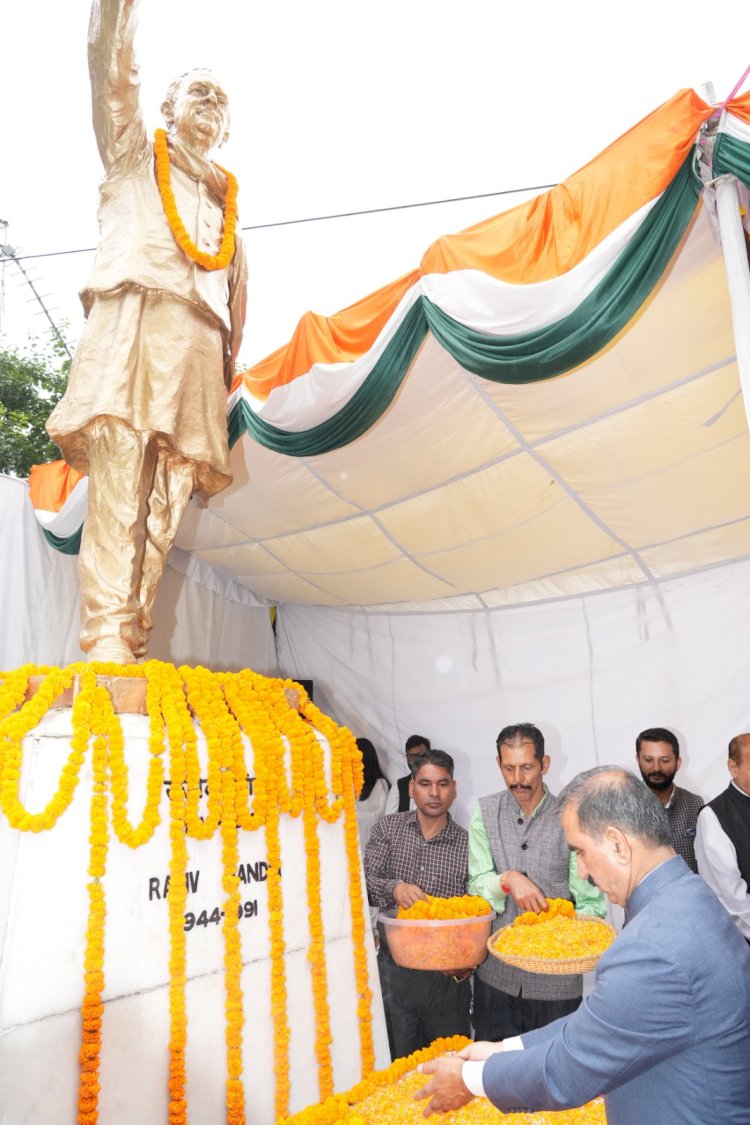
(144, 413)
(115, 86)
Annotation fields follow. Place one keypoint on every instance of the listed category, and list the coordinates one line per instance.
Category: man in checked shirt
(411, 855)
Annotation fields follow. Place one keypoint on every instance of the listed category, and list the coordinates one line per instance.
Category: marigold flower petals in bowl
(448, 935)
(554, 941)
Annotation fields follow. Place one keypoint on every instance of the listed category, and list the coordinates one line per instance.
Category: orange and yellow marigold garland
(219, 727)
(13, 729)
(95, 712)
(163, 178)
(309, 793)
(347, 753)
(124, 830)
(201, 828)
(270, 798)
(316, 953)
(174, 709)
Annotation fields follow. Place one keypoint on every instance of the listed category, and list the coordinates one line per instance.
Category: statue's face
(201, 112)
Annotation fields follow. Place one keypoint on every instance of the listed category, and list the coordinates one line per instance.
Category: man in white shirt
(722, 842)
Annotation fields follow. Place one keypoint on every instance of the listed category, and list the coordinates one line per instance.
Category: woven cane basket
(558, 966)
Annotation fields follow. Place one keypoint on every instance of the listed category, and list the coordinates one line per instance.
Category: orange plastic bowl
(451, 944)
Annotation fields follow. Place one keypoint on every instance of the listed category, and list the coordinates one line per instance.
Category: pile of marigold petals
(445, 909)
(387, 1098)
(554, 934)
(556, 908)
(395, 1105)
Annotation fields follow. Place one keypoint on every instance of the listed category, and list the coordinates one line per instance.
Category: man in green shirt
(519, 858)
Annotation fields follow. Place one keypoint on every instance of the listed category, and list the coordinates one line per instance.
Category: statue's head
(196, 110)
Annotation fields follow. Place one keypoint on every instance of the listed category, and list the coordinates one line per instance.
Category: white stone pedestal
(43, 913)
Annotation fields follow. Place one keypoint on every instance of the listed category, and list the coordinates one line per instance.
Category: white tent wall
(590, 671)
(200, 617)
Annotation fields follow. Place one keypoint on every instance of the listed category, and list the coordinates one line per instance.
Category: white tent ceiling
(467, 493)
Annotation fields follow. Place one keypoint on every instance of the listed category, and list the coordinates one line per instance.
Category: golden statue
(144, 413)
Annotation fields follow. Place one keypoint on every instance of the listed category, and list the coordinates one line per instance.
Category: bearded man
(657, 752)
(144, 413)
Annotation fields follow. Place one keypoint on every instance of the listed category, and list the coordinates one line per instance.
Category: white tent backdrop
(590, 671)
(200, 616)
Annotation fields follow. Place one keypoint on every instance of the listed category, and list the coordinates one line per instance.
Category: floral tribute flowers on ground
(387, 1098)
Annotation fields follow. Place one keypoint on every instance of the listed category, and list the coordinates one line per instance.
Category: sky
(341, 106)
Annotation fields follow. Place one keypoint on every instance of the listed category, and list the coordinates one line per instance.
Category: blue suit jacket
(665, 1034)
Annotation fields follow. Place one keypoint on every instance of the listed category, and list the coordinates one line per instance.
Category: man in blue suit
(665, 1034)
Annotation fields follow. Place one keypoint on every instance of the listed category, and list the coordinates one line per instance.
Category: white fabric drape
(201, 617)
(734, 249)
(591, 671)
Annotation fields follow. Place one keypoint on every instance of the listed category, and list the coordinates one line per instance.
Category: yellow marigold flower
(459, 906)
(556, 937)
(562, 907)
(387, 1098)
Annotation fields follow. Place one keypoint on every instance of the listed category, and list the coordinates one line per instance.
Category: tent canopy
(549, 405)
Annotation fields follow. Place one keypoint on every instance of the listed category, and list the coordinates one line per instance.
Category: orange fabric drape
(547, 236)
(50, 485)
(536, 241)
(340, 338)
(740, 107)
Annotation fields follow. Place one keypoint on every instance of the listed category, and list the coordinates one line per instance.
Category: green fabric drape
(731, 156)
(524, 358)
(65, 544)
(577, 337)
(365, 407)
(506, 359)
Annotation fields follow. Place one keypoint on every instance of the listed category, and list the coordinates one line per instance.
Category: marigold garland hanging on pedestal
(225, 705)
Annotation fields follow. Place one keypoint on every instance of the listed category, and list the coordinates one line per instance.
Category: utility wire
(399, 207)
(325, 218)
(9, 255)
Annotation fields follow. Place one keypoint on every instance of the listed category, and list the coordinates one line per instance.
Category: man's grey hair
(609, 796)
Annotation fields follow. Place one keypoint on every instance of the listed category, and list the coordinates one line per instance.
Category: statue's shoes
(111, 650)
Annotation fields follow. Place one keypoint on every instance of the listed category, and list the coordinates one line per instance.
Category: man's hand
(479, 1051)
(406, 894)
(526, 894)
(446, 1088)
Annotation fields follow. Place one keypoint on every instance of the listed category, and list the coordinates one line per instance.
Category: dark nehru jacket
(732, 810)
(536, 846)
(682, 813)
(403, 793)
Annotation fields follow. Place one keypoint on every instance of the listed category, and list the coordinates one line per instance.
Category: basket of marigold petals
(556, 940)
(445, 934)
